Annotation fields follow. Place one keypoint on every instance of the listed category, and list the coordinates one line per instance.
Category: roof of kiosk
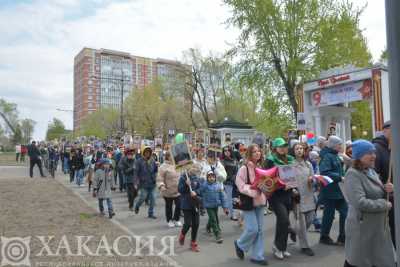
(341, 75)
(230, 123)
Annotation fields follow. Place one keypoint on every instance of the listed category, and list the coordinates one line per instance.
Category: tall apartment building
(102, 75)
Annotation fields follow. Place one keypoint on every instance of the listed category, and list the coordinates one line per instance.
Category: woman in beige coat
(368, 241)
(304, 206)
(167, 183)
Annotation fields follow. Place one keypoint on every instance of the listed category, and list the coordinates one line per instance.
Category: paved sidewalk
(43, 207)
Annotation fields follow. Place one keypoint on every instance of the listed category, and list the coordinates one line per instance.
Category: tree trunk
(8, 122)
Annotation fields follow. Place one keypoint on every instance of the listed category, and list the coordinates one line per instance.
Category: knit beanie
(362, 147)
(321, 140)
(259, 140)
(313, 155)
(334, 141)
(294, 142)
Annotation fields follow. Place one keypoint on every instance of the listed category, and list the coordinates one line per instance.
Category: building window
(90, 97)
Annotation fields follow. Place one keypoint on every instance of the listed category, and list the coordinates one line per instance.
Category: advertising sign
(342, 94)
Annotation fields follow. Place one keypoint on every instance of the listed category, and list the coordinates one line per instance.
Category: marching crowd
(360, 189)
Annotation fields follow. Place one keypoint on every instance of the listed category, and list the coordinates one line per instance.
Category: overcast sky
(39, 39)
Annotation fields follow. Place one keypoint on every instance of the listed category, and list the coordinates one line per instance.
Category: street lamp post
(122, 104)
(393, 45)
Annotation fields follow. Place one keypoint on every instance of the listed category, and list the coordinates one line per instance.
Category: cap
(387, 124)
(279, 142)
(333, 141)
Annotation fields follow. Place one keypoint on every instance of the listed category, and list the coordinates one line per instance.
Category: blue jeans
(253, 236)
(330, 205)
(79, 176)
(109, 205)
(66, 166)
(147, 193)
(122, 182)
(228, 192)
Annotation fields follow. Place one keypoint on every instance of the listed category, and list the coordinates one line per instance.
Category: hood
(381, 140)
(327, 150)
(146, 148)
(277, 161)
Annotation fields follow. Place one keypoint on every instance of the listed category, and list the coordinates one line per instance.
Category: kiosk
(323, 104)
(229, 131)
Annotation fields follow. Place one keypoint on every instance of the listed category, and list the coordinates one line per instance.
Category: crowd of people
(360, 189)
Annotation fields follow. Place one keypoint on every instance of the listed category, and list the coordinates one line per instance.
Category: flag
(324, 180)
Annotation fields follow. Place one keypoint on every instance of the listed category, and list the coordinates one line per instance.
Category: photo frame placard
(181, 156)
(200, 137)
(189, 137)
(287, 174)
(158, 142)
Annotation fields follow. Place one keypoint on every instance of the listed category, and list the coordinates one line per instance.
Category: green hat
(279, 142)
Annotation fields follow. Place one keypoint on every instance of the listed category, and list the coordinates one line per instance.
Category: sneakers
(131, 209)
(286, 254)
(293, 236)
(178, 224)
(181, 239)
(171, 224)
(239, 251)
(219, 240)
(341, 241)
(307, 251)
(259, 262)
(234, 219)
(317, 228)
(277, 253)
(112, 214)
(136, 210)
(326, 240)
(194, 247)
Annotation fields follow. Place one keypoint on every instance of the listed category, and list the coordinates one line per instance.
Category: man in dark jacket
(35, 158)
(331, 195)
(382, 163)
(127, 167)
(146, 173)
(78, 167)
(118, 175)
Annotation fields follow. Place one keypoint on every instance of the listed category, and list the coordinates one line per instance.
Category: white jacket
(218, 169)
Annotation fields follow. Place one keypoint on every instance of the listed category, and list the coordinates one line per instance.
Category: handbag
(245, 202)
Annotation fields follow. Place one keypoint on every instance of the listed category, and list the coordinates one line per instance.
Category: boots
(181, 239)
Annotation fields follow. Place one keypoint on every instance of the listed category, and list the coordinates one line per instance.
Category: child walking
(103, 184)
(214, 197)
(190, 196)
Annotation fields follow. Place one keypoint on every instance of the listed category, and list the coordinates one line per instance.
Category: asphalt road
(212, 254)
